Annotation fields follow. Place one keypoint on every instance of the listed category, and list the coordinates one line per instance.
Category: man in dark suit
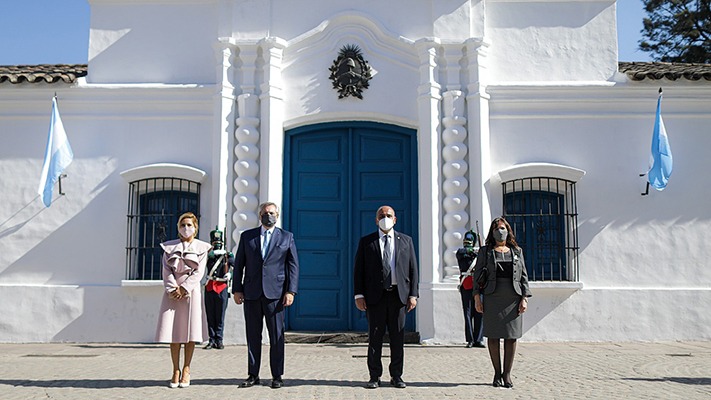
(386, 288)
(266, 277)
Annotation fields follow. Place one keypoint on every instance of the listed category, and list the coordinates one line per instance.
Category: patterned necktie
(265, 244)
(387, 278)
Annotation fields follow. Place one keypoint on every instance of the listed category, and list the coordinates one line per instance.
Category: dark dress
(501, 318)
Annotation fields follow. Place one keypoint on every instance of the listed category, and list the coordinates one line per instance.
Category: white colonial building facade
(451, 111)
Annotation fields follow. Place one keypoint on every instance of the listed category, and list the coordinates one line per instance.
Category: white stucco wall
(66, 262)
(546, 91)
(640, 256)
(552, 41)
(152, 41)
(306, 76)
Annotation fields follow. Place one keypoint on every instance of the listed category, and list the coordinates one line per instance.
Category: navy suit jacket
(368, 268)
(271, 277)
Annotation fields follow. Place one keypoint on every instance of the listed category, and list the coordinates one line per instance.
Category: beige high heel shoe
(183, 381)
(175, 381)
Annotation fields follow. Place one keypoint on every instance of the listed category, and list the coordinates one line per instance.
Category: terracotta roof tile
(639, 71)
(42, 73)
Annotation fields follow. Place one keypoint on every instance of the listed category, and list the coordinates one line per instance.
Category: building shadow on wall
(544, 302)
(12, 229)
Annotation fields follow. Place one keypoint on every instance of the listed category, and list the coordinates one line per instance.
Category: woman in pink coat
(182, 313)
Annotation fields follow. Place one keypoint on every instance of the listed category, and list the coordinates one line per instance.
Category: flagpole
(58, 155)
(59, 180)
(646, 190)
(661, 160)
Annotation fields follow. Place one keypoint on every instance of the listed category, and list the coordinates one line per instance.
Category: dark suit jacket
(368, 268)
(520, 275)
(273, 277)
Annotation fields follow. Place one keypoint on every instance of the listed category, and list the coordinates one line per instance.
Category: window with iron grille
(154, 206)
(543, 215)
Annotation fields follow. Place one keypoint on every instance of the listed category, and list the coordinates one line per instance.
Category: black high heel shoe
(498, 381)
(507, 385)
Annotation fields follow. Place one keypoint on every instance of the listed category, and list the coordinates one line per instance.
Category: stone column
(455, 182)
(246, 150)
(224, 126)
(455, 167)
(271, 98)
(479, 135)
(428, 135)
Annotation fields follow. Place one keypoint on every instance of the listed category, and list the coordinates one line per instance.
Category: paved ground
(679, 370)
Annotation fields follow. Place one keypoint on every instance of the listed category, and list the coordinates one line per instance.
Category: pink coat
(183, 321)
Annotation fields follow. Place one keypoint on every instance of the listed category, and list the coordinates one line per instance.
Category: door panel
(337, 175)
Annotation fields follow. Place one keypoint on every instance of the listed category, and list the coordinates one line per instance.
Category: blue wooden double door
(336, 177)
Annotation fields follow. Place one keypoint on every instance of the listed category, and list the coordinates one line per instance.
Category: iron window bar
(154, 204)
(544, 216)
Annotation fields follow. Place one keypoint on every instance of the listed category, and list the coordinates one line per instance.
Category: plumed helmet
(469, 238)
(216, 236)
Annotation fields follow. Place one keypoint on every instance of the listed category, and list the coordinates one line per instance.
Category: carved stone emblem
(350, 73)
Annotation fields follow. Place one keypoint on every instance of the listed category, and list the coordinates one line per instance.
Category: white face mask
(187, 231)
(386, 224)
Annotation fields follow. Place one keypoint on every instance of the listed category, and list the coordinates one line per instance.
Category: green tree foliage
(677, 30)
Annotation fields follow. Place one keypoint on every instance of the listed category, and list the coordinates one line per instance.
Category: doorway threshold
(340, 337)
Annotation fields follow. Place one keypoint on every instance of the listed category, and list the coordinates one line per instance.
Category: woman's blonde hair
(193, 218)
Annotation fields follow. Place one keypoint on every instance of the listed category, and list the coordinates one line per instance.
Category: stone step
(341, 337)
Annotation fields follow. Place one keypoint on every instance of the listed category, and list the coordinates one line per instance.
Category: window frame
(559, 180)
(170, 182)
(551, 255)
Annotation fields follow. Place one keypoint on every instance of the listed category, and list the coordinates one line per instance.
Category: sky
(57, 31)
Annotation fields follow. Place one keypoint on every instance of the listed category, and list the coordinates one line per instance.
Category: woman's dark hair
(510, 239)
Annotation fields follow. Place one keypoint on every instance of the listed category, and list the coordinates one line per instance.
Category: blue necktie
(265, 245)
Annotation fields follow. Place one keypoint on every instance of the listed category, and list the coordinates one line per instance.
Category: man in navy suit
(266, 277)
(386, 288)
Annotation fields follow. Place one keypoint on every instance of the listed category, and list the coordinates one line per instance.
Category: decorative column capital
(427, 53)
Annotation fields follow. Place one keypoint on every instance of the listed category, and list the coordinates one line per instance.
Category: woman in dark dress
(506, 295)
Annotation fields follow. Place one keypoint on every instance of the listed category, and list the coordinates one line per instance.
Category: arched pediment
(357, 28)
(548, 170)
(164, 170)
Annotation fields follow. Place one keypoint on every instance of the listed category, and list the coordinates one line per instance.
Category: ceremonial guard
(473, 321)
(219, 273)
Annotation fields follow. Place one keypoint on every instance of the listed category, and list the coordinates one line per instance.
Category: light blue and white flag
(661, 160)
(57, 156)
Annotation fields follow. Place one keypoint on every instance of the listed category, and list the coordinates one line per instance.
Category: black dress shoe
(250, 381)
(373, 383)
(470, 344)
(219, 346)
(209, 346)
(479, 344)
(398, 383)
(508, 385)
(277, 383)
(498, 382)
